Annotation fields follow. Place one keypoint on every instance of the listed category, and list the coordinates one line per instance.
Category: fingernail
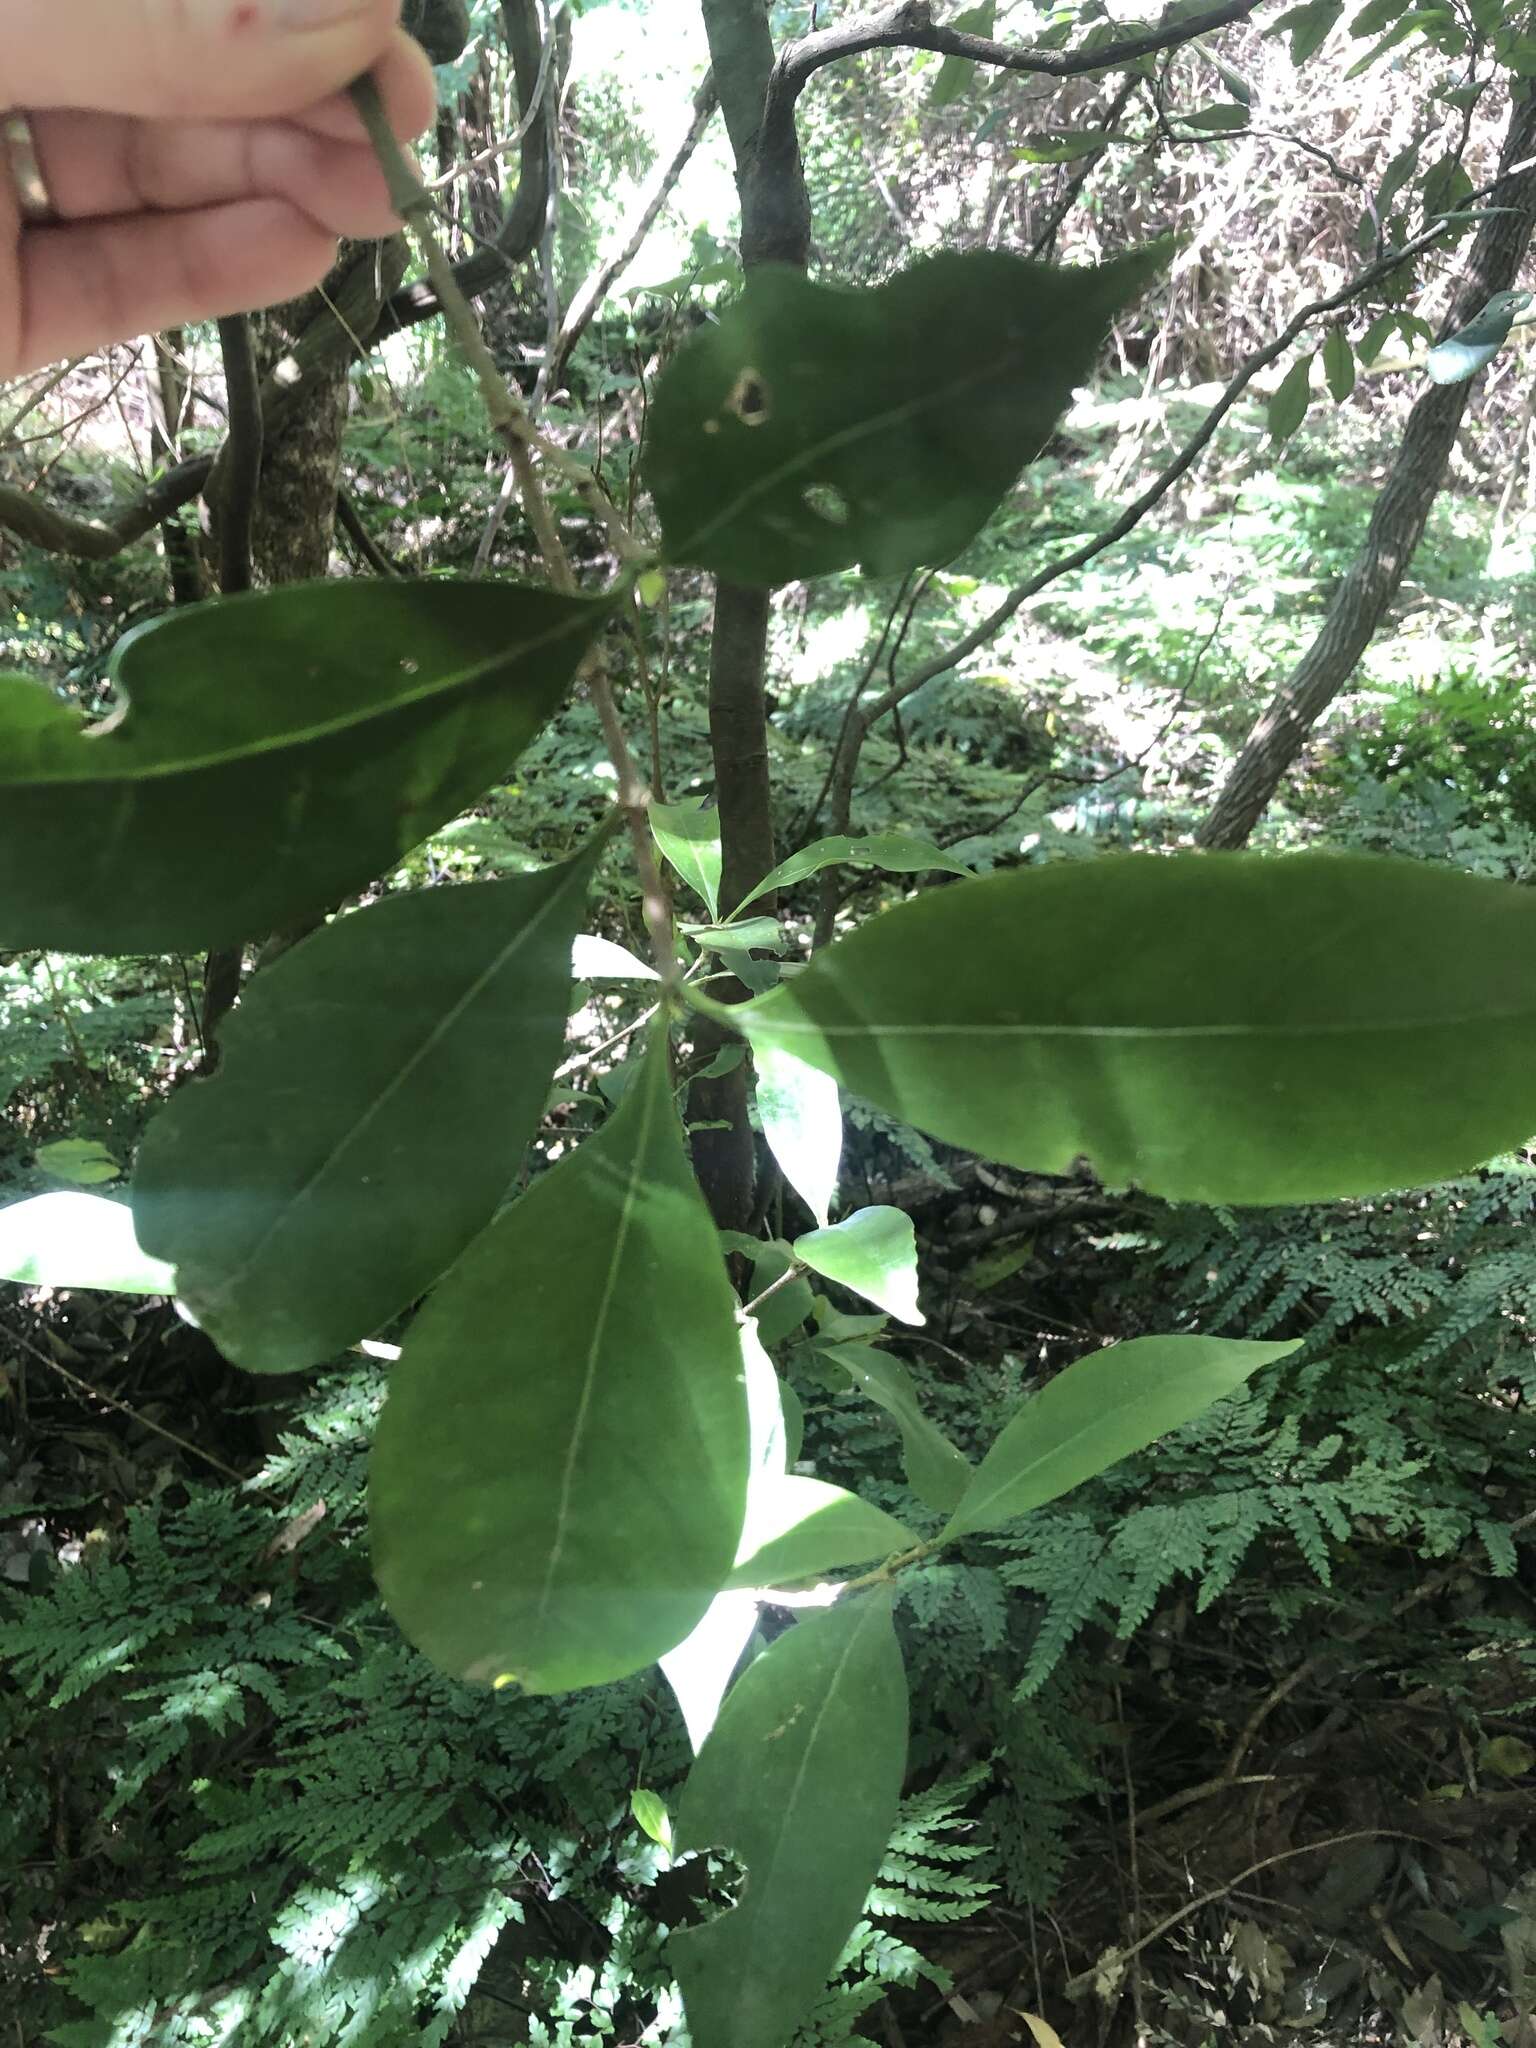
(303, 14)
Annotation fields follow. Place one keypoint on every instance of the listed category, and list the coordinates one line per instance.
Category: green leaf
(802, 1119)
(1375, 16)
(78, 1241)
(1225, 118)
(650, 1814)
(83, 1161)
(1214, 1028)
(787, 1308)
(1062, 148)
(956, 74)
(689, 837)
(763, 934)
(270, 754)
(873, 1251)
(1376, 337)
(378, 1087)
(804, 1528)
(559, 1479)
(800, 1780)
(937, 1472)
(815, 426)
(1308, 27)
(1288, 407)
(1339, 364)
(897, 853)
(1100, 1410)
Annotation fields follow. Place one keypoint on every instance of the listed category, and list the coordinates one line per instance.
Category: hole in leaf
(749, 400)
(828, 503)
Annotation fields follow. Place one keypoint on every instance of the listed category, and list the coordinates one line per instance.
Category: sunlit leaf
(378, 1086)
(559, 1479)
(802, 1120)
(937, 1472)
(689, 837)
(814, 426)
(800, 1782)
(898, 853)
(71, 1240)
(746, 934)
(269, 755)
(873, 1251)
(599, 959)
(651, 1816)
(806, 1528)
(1214, 1028)
(85, 1162)
(1102, 1409)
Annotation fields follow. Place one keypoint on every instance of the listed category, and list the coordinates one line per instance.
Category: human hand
(200, 156)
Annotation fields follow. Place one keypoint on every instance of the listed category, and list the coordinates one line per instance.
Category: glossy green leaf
(1288, 407)
(84, 1162)
(806, 1528)
(378, 1087)
(873, 1251)
(72, 1240)
(269, 755)
(897, 853)
(802, 1118)
(746, 934)
(789, 1305)
(1100, 1410)
(937, 1471)
(800, 1780)
(815, 426)
(957, 74)
(689, 838)
(559, 1479)
(1339, 364)
(1215, 1028)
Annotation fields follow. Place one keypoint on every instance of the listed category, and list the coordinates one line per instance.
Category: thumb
(175, 59)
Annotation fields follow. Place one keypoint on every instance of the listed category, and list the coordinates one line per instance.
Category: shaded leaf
(1062, 148)
(898, 853)
(802, 1119)
(804, 1528)
(69, 1240)
(559, 1479)
(1339, 364)
(269, 755)
(937, 1472)
(765, 934)
(689, 838)
(814, 426)
(1288, 407)
(379, 1084)
(873, 1251)
(956, 74)
(1225, 118)
(1308, 27)
(1228, 1028)
(800, 1780)
(1100, 1410)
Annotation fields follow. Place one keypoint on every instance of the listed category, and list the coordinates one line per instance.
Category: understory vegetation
(1232, 1742)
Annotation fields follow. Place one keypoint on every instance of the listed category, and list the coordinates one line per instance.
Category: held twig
(513, 427)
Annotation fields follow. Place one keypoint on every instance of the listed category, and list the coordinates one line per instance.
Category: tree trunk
(1397, 523)
(775, 225)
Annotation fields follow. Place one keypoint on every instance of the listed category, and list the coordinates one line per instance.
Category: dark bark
(1397, 523)
(168, 404)
(775, 227)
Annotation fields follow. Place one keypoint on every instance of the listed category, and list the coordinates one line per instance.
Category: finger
(96, 282)
(406, 86)
(103, 165)
(219, 59)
